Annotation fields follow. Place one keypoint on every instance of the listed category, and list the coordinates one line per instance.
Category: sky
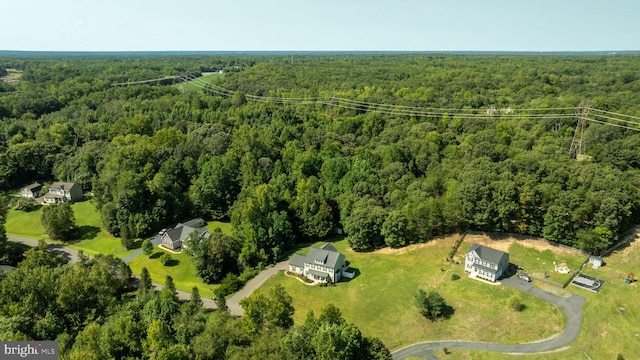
(319, 25)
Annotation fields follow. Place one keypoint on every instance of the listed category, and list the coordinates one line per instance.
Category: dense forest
(92, 310)
(289, 172)
(292, 152)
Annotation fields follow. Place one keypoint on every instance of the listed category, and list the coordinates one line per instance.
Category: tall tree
(58, 221)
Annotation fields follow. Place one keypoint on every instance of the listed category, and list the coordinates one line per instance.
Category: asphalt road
(571, 307)
(233, 303)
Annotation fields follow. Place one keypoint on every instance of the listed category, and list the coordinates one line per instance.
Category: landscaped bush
(455, 277)
(165, 258)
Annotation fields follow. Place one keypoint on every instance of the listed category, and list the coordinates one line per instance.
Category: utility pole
(577, 144)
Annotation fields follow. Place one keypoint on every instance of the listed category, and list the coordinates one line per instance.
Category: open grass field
(197, 86)
(93, 240)
(380, 300)
(13, 76)
(611, 319)
(27, 224)
(180, 268)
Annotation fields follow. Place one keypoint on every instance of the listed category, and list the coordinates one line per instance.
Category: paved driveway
(233, 303)
(571, 307)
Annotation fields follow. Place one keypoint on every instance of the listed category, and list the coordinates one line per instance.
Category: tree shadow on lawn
(88, 232)
(156, 255)
(172, 262)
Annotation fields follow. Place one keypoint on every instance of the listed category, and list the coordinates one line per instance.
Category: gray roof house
(486, 263)
(63, 192)
(174, 238)
(31, 191)
(323, 264)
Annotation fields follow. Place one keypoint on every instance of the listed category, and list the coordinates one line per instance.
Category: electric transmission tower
(577, 144)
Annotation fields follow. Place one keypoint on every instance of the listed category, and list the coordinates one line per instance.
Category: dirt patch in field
(503, 242)
(437, 241)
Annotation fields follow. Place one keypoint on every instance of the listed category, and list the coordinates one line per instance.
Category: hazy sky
(491, 25)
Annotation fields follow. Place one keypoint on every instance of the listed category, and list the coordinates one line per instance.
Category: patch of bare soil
(503, 242)
(433, 242)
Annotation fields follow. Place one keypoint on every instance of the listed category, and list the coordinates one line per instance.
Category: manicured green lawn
(27, 224)
(94, 240)
(224, 226)
(181, 269)
(380, 300)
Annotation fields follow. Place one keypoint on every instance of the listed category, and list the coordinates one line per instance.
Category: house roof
(180, 232)
(32, 187)
(297, 260)
(328, 247)
(328, 258)
(485, 268)
(62, 185)
(195, 223)
(487, 254)
(7, 268)
(317, 273)
(327, 255)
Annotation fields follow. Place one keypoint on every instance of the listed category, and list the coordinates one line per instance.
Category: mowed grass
(94, 240)
(180, 268)
(197, 85)
(536, 262)
(607, 330)
(26, 224)
(380, 300)
(225, 226)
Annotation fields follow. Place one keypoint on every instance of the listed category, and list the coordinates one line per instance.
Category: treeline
(288, 174)
(92, 310)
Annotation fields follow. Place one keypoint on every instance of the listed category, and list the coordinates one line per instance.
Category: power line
(403, 110)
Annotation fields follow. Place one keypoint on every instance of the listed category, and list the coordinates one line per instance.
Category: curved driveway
(571, 307)
(233, 303)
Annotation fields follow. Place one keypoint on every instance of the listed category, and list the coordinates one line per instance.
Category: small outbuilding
(595, 261)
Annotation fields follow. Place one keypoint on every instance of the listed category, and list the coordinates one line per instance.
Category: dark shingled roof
(329, 247)
(33, 186)
(61, 185)
(326, 257)
(320, 274)
(488, 254)
(297, 260)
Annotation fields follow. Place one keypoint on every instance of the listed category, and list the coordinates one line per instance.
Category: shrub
(515, 303)
(230, 284)
(455, 277)
(165, 258)
(25, 205)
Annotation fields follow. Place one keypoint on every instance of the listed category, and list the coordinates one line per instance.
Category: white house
(63, 192)
(324, 264)
(486, 263)
(31, 191)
